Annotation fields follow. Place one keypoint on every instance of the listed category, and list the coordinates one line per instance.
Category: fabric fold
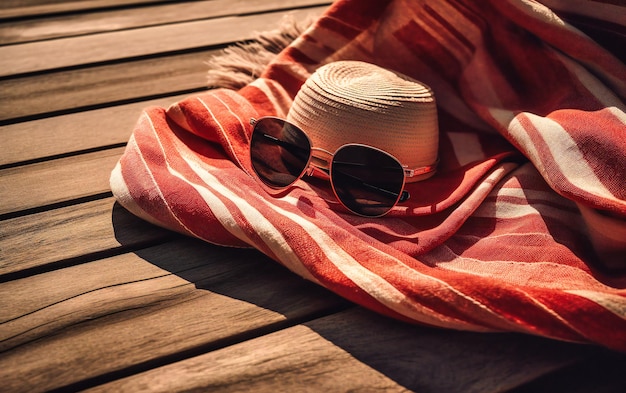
(514, 232)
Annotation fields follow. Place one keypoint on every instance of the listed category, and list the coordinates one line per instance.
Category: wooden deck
(92, 298)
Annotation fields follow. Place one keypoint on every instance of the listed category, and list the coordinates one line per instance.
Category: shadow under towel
(523, 228)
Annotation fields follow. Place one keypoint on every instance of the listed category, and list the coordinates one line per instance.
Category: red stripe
(569, 42)
(605, 150)
(472, 11)
(181, 198)
(360, 14)
(226, 173)
(441, 19)
(425, 47)
(284, 76)
(583, 314)
(138, 176)
(294, 55)
(260, 101)
(555, 177)
(517, 305)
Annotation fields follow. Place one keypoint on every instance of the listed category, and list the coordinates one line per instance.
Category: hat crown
(357, 102)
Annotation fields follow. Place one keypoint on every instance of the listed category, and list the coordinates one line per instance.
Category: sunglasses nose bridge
(321, 158)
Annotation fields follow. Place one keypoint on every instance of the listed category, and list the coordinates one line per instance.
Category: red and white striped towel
(511, 234)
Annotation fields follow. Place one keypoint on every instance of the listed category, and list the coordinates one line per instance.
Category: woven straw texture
(357, 102)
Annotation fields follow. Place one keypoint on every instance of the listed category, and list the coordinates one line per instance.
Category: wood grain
(93, 297)
(74, 24)
(108, 315)
(25, 8)
(102, 85)
(76, 132)
(56, 181)
(357, 350)
(72, 234)
(77, 51)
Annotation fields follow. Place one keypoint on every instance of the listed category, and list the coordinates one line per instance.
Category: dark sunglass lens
(367, 181)
(279, 152)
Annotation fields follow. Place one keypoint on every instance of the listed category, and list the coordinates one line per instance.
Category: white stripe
(538, 274)
(508, 210)
(379, 288)
(218, 208)
(270, 235)
(455, 262)
(503, 117)
(521, 235)
(217, 205)
(568, 157)
(604, 11)
(518, 132)
(376, 286)
(538, 11)
(620, 114)
(614, 303)
(175, 113)
(509, 121)
(243, 124)
(133, 144)
(550, 311)
(230, 146)
(122, 194)
(525, 193)
(262, 84)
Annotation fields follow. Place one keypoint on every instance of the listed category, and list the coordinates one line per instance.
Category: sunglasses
(367, 181)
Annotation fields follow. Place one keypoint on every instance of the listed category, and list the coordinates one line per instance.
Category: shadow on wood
(413, 357)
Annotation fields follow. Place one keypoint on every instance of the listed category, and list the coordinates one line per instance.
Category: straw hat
(356, 102)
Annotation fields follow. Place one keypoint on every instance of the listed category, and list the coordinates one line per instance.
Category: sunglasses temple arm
(404, 195)
(289, 146)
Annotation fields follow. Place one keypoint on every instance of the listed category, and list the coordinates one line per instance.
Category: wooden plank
(81, 50)
(72, 234)
(53, 136)
(74, 24)
(25, 8)
(99, 85)
(134, 310)
(356, 350)
(52, 182)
